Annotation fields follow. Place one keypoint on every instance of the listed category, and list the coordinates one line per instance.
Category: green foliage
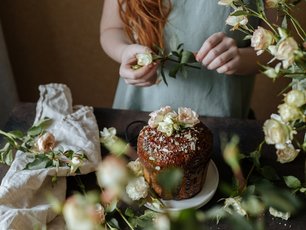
(17, 140)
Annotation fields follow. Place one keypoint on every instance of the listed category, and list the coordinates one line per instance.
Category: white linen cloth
(23, 202)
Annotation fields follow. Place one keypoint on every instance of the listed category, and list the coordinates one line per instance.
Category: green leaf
(292, 182)
(41, 161)
(162, 72)
(113, 224)
(187, 57)
(8, 159)
(170, 179)
(144, 221)
(174, 71)
(180, 46)
(17, 134)
(240, 13)
(186, 220)
(260, 6)
(129, 212)
(39, 127)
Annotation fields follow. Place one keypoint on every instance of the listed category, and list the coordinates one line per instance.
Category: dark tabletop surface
(249, 132)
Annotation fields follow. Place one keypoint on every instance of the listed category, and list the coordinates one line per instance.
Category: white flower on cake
(187, 117)
(261, 39)
(167, 121)
(158, 116)
(46, 142)
(137, 188)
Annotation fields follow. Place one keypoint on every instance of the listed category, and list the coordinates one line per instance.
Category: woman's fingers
(145, 76)
(219, 53)
(223, 58)
(208, 45)
(230, 67)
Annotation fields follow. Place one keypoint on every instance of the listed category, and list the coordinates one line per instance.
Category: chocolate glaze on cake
(189, 149)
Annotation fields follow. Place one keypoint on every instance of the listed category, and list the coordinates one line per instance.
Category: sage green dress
(208, 93)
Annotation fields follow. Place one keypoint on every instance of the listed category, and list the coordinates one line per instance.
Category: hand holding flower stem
(182, 58)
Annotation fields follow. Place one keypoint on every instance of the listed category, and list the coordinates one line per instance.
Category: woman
(224, 85)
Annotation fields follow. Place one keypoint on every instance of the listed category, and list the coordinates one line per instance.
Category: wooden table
(249, 132)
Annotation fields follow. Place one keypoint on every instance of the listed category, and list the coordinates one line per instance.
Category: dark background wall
(58, 41)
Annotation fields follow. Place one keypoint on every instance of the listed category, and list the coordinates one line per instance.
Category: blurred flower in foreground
(83, 213)
(112, 173)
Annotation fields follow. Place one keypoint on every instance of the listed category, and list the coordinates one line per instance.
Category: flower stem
(123, 217)
(191, 66)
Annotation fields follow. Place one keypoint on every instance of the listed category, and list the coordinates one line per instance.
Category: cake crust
(189, 149)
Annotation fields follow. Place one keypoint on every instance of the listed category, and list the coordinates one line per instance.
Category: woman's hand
(144, 76)
(220, 53)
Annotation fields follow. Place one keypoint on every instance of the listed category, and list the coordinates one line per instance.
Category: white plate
(207, 192)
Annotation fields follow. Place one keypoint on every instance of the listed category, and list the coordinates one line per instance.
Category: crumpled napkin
(23, 202)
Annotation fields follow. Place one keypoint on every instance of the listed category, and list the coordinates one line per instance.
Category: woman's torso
(191, 22)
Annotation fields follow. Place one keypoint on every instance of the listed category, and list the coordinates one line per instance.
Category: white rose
(112, 173)
(137, 188)
(188, 117)
(296, 98)
(237, 21)
(226, 2)
(158, 116)
(289, 113)
(144, 59)
(46, 142)
(166, 127)
(261, 39)
(285, 51)
(276, 132)
(79, 214)
(288, 154)
(136, 167)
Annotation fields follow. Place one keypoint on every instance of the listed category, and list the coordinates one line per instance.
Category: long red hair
(144, 20)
